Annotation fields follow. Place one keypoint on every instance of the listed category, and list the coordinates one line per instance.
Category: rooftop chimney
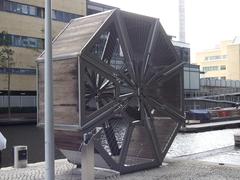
(181, 21)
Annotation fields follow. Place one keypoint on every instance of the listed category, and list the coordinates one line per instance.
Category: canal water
(193, 143)
(184, 144)
(28, 135)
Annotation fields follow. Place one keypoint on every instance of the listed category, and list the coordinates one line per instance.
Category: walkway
(171, 170)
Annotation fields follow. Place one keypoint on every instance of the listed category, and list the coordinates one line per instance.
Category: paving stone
(63, 171)
(173, 169)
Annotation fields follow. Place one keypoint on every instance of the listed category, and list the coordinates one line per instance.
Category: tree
(6, 61)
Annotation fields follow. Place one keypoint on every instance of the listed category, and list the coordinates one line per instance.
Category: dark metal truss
(131, 87)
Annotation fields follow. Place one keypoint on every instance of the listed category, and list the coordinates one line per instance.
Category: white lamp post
(48, 96)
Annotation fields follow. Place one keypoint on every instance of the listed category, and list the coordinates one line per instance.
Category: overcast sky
(207, 21)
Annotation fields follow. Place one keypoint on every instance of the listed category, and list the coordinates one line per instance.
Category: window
(212, 78)
(25, 9)
(21, 71)
(5, 39)
(92, 11)
(24, 42)
(14, 7)
(215, 58)
(16, 41)
(33, 42)
(63, 16)
(33, 11)
(59, 15)
(223, 78)
(1, 4)
(223, 67)
(20, 8)
(53, 14)
(210, 68)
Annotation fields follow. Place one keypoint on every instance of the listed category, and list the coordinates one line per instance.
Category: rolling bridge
(118, 84)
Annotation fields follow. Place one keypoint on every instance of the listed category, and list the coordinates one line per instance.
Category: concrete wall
(233, 62)
(18, 82)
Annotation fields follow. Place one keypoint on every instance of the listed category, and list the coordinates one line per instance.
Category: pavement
(218, 164)
(187, 170)
(196, 156)
(63, 171)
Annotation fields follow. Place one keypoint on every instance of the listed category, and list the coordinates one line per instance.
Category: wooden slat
(77, 34)
(65, 89)
(69, 140)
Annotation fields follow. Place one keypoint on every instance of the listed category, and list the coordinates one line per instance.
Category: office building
(23, 20)
(222, 62)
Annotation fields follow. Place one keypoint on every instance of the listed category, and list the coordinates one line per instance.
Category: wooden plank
(78, 33)
(69, 140)
(65, 89)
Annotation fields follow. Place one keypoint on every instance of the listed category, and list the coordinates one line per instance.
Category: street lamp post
(48, 97)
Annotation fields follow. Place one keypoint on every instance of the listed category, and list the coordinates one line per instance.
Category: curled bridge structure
(116, 75)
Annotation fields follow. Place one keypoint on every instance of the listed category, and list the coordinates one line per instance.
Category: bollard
(0, 159)
(237, 139)
(20, 156)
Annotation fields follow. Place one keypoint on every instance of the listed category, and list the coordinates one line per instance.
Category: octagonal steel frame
(151, 75)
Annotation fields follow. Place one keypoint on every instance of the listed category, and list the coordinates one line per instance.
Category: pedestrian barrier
(237, 140)
(20, 156)
(3, 143)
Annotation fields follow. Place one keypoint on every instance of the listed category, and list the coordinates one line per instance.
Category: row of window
(216, 78)
(22, 41)
(22, 71)
(214, 58)
(214, 68)
(63, 16)
(93, 9)
(25, 9)
(20, 8)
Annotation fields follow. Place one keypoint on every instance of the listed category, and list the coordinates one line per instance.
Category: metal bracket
(87, 158)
